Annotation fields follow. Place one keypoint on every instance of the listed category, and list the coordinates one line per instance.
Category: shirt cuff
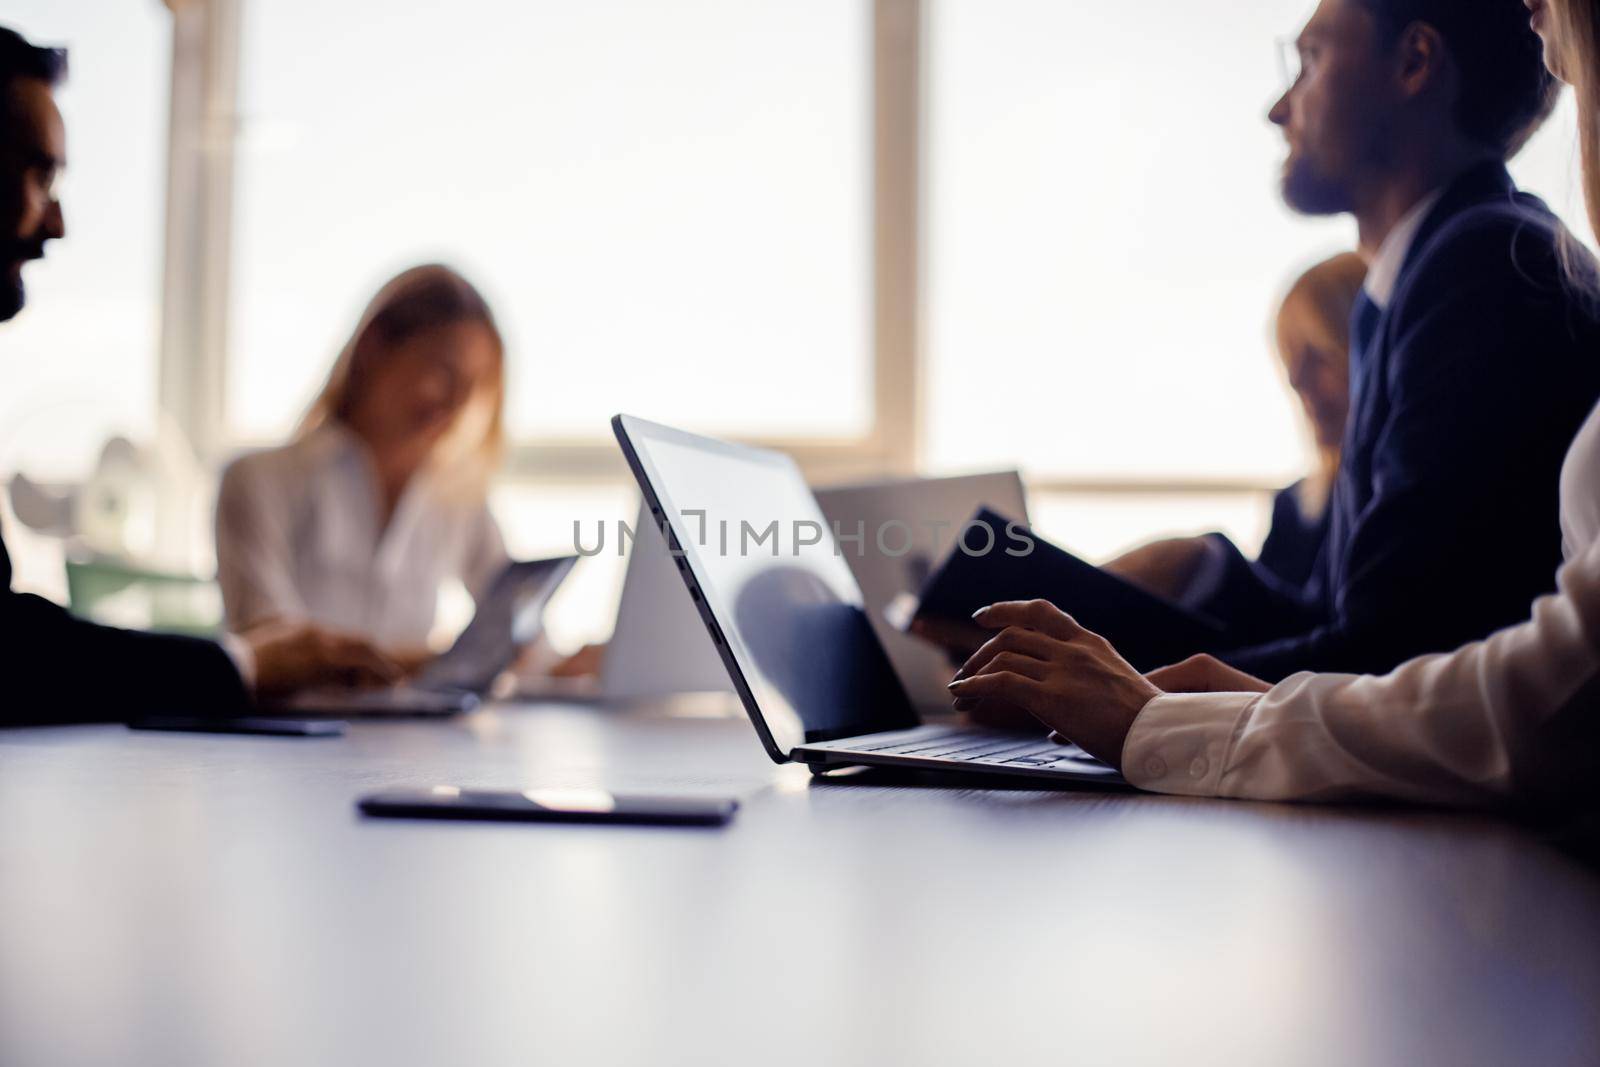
(1180, 742)
(243, 656)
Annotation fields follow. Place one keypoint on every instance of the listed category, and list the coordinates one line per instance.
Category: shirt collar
(331, 443)
(1383, 273)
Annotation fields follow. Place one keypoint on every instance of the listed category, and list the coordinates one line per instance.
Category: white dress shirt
(1383, 273)
(299, 538)
(1479, 726)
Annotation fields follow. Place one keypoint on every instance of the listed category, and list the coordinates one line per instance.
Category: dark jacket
(1443, 524)
(1294, 542)
(61, 669)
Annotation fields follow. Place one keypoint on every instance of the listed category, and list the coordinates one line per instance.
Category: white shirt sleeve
(1493, 721)
(255, 550)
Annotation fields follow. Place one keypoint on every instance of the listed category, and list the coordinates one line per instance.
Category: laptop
(791, 625)
(660, 648)
(509, 617)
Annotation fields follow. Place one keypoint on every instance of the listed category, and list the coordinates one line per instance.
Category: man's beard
(13, 294)
(1311, 193)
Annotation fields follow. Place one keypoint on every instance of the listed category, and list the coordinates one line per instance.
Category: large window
(668, 203)
(671, 205)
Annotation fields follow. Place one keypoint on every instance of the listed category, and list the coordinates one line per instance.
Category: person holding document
(1472, 354)
(59, 668)
(1313, 342)
(1514, 719)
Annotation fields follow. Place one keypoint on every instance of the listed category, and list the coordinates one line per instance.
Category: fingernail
(961, 674)
(979, 614)
(957, 684)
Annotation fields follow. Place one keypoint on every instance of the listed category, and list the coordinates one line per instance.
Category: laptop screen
(785, 609)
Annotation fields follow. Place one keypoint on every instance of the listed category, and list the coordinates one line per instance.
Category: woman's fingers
(358, 663)
(1040, 615)
(1081, 688)
(1004, 686)
(293, 657)
(1015, 645)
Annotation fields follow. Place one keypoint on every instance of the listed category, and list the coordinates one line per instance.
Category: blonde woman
(380, 498)
(1514, 719)
(1313, 335)
(1313, 346)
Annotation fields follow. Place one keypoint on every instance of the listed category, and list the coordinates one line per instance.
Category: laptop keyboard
(966, 746)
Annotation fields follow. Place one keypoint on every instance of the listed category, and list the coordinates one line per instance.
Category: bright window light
(80, 361)
(667, 203)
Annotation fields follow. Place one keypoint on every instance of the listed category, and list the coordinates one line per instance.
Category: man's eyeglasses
(1290, 65)
(48, 172)
(38, 167)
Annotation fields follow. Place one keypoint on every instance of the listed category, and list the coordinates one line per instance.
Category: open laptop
(509, 617)
(790, 623)
(660, 648)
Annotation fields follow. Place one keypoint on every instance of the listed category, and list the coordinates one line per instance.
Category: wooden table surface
(177, 900)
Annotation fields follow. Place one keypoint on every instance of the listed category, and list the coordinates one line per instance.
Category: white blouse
(298, 537)
(1516, 716)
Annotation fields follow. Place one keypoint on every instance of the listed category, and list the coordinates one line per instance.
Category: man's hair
(20, 59)
(1506, 92)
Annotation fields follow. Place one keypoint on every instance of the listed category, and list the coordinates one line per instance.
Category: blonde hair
(1317, 306)
(1580, 58)
(1316, 311)
(416, 300)
(1579, 61)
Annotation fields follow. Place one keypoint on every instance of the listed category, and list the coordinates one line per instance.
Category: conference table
(194, 899)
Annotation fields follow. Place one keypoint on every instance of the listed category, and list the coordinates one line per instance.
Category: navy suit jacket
(61, 669)
(1443, 525)
(1294, 541)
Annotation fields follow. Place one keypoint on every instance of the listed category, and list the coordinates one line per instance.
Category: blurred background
(890, 236)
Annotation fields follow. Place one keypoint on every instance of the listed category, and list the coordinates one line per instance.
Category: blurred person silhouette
(381, 497)
(1313, 347)
(63, 669)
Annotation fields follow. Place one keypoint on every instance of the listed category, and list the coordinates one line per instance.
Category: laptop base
(963, 750)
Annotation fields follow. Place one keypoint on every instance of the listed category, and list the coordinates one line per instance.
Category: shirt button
(1198, 768)
(1155, 768)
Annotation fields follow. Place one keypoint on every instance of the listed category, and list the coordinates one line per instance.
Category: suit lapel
(1370, 402)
